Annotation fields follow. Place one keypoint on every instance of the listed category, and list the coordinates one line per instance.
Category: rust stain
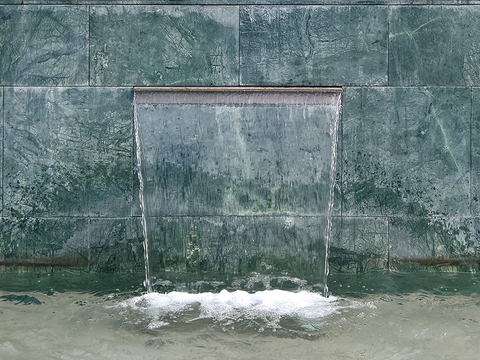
(43, 262)
(441, 261)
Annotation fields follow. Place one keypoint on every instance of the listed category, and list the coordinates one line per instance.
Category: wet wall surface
(237, 183)
(407, 177)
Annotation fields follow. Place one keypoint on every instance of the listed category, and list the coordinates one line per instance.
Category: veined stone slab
(448, 244)
(116, 246)
(97, 245)
(43, 45)
(44, 243)
(406, 151)
(68, 151)
(358, 245)
(164, 45)
(434, 45)
(313, 45)
(476, 152)
(410, 241)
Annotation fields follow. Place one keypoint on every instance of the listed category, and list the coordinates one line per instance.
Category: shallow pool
(380, 316)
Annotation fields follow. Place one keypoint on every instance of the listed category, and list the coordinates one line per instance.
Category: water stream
(331, 198)
(138, 153)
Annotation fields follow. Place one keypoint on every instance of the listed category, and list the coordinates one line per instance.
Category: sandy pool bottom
(74, 325)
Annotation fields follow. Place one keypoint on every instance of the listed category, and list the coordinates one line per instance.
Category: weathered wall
(409, 160)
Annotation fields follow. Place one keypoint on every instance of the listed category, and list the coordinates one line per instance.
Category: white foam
(269, 305)
(157, 324)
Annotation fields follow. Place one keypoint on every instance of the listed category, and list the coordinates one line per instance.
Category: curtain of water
(334, 136)
(334, 122)
(147, 282)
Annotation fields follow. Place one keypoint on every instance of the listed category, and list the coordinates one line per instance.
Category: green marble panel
(98, 245)
(222, 248)
(358, 245)
(30, 243)
(475, 152)
(411, 240)
(164, 45)
(116, 246)
(439, 244)
(458, 238)
(434, 45)
(68, 151)
(406, 151)
(236, 160)
(324, 45)
(43, 45)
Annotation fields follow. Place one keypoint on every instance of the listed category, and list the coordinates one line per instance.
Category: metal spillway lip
(239, 88)
(238, 95)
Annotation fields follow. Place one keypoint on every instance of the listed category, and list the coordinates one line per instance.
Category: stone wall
(409, 157)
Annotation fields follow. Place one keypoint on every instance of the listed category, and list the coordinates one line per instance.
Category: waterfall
(236, 185)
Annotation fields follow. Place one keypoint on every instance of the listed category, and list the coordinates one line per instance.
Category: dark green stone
(98, 245)
(116, 246)
(313, 45)
(163, 45)
(457, 239)
(410, 243)
(222, 248)
(236, 160)
(43, 45)
(475, 152)
(439, 244)
(21, 299)
(406, 151)
(29, 244)
(68, 151)
(434, 45)
(358, 245)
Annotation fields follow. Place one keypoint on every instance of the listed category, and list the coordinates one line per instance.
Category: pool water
(421, 316)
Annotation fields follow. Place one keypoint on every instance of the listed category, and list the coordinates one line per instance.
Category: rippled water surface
(377, 317)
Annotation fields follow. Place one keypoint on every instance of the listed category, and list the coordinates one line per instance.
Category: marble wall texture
(408, 173)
